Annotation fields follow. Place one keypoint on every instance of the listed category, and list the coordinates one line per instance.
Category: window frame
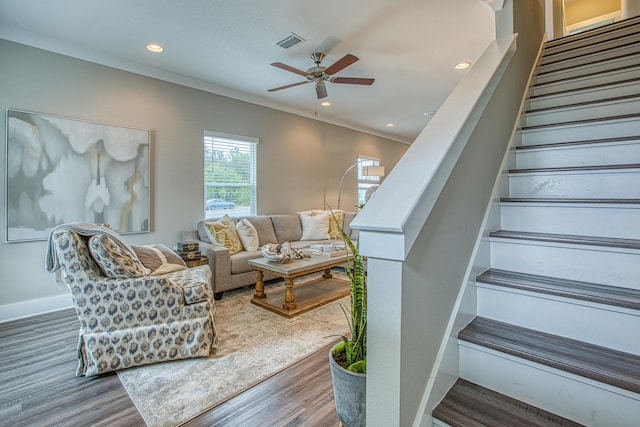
(226, 143)
(365, 182)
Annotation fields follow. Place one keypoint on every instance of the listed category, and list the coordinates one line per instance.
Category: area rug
(253, 344)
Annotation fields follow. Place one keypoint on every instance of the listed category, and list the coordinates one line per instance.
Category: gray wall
(300, 160)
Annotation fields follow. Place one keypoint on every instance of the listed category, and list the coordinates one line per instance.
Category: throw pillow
(159, 259)
(115, 261)
(334, 231)
(248, 235)
(223, 232)
(315, 227)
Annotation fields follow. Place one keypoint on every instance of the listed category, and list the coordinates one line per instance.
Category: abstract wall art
(61, 170)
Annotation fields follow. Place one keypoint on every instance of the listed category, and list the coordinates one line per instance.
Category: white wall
(300, 160)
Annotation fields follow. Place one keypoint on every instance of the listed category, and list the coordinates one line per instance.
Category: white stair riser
(578, 51)
(594, 111)
(618, 221)
(587, 59)
(556, 99)
(608, 153)
(606, 266)
(582, 400)
(606, 184)
(598, 324)
(586, 131)
(545, 77)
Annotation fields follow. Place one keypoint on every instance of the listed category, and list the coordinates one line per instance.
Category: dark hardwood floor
(38, 386)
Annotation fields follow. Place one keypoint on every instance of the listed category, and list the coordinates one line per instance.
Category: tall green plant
(355, 347)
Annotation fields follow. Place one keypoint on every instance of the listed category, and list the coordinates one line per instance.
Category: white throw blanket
(51, 261)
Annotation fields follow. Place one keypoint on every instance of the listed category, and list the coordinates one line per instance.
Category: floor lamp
(366, 171)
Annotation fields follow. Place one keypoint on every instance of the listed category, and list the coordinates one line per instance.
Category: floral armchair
(128, 316)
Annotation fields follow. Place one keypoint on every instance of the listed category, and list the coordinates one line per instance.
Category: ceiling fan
(319, 74)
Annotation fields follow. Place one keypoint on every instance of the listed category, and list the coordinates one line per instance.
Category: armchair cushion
(115, 261)
(159, 259)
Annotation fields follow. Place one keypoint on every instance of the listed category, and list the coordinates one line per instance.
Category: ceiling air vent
(289, 41)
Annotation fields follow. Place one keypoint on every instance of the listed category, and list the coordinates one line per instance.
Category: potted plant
(348, 359)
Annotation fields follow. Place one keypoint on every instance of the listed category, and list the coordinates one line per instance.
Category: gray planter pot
(350, 393)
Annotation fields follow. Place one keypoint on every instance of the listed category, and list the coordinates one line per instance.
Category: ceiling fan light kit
(319, 74)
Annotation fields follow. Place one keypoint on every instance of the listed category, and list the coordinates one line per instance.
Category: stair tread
(616, 368)
(569, 200)
(625, 23)
(577, 168)
(543, 73)
(584, 291)
(583, 76)
(580, 142)
(470, 405)
(581, 122)
(583, 103)
(568, 239)
(593, 51)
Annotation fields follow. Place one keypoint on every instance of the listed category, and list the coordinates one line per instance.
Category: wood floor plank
(38, 386)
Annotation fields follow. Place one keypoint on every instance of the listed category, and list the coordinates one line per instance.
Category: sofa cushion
(315, 227)
(287, 227)
(115, 261)
(264, 227)
(248, 235)
(240, 261)
(223, 232)
(159, 259)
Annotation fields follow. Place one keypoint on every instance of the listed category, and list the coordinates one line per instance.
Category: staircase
(556, 340)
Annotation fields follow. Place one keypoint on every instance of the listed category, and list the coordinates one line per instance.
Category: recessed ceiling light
(462, 65)
(390, 125)
(155, 47)
(325, 103)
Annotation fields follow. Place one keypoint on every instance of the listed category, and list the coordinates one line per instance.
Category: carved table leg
(289, 298)
(327, 274)
(259, 285)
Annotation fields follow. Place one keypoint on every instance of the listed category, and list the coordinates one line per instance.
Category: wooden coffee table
(309, 295)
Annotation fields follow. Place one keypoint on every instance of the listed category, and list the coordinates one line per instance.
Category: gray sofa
(233, 271)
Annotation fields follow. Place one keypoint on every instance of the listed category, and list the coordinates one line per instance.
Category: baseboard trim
(33, 307)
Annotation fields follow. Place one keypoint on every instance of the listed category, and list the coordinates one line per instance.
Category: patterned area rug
(253, 344)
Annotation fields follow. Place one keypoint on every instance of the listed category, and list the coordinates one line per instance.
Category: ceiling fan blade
(289, 68)
(353, 80)
(321, 91)
(287, 86)
(341, 64)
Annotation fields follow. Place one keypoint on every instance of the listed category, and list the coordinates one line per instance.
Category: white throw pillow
(248, 235)
(315, 227)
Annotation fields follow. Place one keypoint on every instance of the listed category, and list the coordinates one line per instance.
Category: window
(366, 183)
(229, 175)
